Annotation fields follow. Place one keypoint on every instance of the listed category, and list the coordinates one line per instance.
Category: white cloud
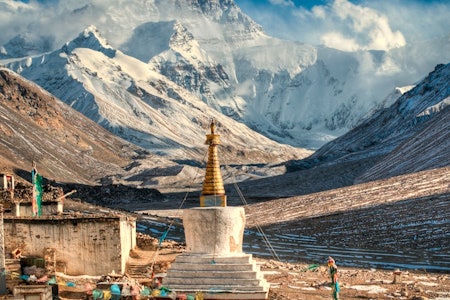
(34, 20)
(417, 20)
(350, 27)
(288, 3)
(319, 12)
(338, 41)
(366, 26)
(381, 24)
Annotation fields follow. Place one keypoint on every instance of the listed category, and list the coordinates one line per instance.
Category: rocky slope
(67, 147)
(37, 127)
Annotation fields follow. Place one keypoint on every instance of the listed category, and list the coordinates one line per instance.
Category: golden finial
(212, 126)
(213, 192)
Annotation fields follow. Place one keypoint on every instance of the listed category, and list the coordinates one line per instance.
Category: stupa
(214, 263)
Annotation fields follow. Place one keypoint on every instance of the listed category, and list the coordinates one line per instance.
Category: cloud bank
(354, 25)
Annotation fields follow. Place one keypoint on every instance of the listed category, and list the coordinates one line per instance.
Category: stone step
(210, 259)
(218, 279)
(215, 274)
(214, 267)
(137, 269)
(215, 288)
(224, 275)
(221, 274)
(235, 295)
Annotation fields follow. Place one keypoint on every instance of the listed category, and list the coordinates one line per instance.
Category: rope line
(172, 221)
(258, 227)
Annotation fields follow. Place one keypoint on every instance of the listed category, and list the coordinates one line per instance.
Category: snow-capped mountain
(411, 135)
(293, 93)
(70, 148)
(130, 99)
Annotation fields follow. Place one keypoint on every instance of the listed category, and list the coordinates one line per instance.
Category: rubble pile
(147, 242)
(52, 193)
(24, 192)
(114, 195)
(5, 196)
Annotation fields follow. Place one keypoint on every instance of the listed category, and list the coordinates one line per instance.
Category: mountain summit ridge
(279, 88)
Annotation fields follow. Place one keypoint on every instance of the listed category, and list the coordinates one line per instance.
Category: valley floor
(312, 282)
(289, 282)
(401, 222)
(296, 281)
(404, 216)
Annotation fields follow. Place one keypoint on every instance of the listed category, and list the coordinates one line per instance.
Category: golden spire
(213, 193)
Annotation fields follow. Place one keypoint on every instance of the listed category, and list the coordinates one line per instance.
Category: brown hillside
(65, 145)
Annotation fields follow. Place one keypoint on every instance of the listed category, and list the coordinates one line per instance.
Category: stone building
(73, 244)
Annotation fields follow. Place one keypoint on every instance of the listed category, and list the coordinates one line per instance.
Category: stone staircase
(139, 272)
(225, 277)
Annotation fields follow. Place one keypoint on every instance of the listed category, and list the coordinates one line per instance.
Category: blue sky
(352, 25)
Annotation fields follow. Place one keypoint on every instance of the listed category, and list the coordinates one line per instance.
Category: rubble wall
(84, 245)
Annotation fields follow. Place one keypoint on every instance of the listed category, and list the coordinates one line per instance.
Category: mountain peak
(181, 35)
(214, 8)
(92, 39)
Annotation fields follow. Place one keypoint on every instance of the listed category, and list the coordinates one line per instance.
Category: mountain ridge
(276, 87)
(130, 99)
(399, 122)
(98, 156)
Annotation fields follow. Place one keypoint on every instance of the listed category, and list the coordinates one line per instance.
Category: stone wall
(48, 208)
(85, 245)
